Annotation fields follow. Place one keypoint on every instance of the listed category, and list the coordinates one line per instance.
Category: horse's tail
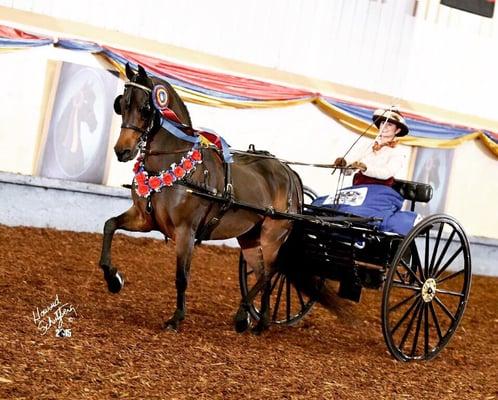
(319, 290)
(312, 285)
(322, 291)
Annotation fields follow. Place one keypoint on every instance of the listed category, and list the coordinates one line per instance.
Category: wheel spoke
(436, 246)
(426, 329)
(447, 264)
(403, 317)
(427, 244)
(417, 329)
(416, 259)
(288, 298)
(403, 263)
(399, 276)
(410, 324)
(277, 301)
(443, 253)
(402, 302)
(436, 321)
(402, 285)
(444, 308)
(449, 292)
(300, 297)
(448, 277)
(274, 284)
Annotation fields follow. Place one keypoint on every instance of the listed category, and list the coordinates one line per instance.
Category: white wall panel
(438, 58)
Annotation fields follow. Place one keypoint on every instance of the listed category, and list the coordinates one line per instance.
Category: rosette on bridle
(160, 100)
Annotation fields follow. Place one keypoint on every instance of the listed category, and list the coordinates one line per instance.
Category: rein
(253, 154)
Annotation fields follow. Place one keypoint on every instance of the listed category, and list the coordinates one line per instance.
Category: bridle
(143, 132)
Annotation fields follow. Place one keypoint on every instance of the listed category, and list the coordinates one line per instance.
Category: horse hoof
(259, 329)
(242, 322)
(171, 326)
(115, 283)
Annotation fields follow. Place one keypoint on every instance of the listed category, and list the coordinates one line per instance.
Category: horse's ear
(141, 71)
(117, 104)
(129, 72)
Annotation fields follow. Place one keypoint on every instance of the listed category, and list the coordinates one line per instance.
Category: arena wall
(84, 207)
(298, 133)
(416, 51)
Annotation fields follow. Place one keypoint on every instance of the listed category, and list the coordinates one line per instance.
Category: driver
(383, 159)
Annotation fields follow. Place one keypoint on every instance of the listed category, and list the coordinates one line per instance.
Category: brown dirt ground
(118, 349)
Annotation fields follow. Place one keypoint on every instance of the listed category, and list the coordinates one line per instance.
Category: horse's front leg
(185, 239)
(131, 220)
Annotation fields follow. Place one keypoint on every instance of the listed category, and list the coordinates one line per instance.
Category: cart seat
(413, 191)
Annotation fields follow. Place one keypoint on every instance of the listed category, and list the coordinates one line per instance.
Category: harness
(146, 184)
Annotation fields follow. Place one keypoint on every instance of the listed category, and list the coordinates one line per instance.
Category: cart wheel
(426, 289)
(287, 304)
(309, 195)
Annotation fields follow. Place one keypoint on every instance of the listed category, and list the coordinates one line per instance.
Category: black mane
(176, 103)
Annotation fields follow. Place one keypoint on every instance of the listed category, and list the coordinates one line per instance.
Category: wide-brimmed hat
(391, 115)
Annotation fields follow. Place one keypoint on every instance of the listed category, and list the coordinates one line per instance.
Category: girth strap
(228, 195)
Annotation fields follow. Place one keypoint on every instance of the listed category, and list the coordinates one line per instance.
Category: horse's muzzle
(123, 155)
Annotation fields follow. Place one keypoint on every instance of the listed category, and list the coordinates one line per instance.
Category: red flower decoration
(136, 167)
(187, 165)
(196, 155)
(142, 190)
(179, 172)
(168, 178)
(155, 182)
(141, 178)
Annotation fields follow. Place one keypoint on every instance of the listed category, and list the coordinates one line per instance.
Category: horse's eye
(145, 110)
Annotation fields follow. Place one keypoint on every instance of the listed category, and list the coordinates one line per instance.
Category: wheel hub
(429, 290)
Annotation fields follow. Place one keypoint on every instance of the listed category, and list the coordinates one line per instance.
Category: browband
(148, 90)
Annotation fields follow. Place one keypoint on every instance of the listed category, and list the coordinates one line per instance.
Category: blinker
(117, 104)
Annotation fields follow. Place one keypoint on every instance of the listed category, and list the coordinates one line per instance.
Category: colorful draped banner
(225, 90)
(11, 39)
(423, 131)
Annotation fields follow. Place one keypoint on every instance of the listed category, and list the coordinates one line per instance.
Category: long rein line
(252, 154)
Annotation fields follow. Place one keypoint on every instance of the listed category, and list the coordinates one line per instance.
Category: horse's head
(139, 115)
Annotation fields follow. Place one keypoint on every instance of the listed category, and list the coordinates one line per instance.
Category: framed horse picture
(75, 146)
(433, 166)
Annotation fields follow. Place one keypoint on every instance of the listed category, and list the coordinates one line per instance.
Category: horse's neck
(164, 142)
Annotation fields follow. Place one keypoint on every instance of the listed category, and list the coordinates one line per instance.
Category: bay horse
(184, 216)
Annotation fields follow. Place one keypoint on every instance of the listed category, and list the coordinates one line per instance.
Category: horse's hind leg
(131, 220)
(185, 239)
(253, 255)
(273, 235)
